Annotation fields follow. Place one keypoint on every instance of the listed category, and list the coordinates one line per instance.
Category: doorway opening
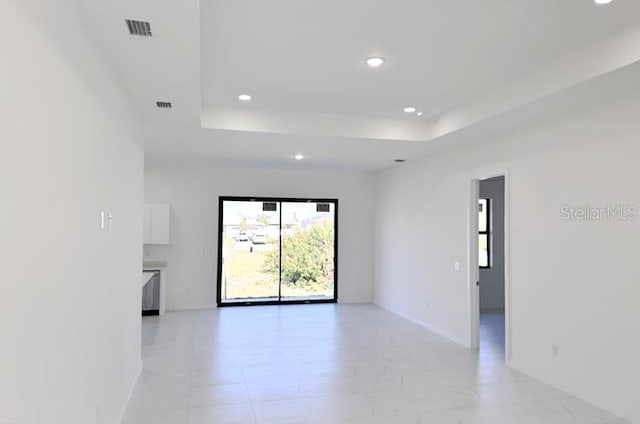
(489, 267)
(277, 251)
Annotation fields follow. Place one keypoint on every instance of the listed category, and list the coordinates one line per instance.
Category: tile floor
(492, 339)
(330, 364)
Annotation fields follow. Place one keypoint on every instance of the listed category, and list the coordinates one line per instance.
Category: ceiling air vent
(140, 28)
(164, 105)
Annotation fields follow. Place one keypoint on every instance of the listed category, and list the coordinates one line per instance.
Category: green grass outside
(245, 277)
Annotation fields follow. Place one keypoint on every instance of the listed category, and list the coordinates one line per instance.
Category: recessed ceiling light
(602, 1)
(374, 62)
(299, 157)
(244, 97)
(409, 109)
(420, 113)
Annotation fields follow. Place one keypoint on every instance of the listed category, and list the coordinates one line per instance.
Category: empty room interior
(341, 212)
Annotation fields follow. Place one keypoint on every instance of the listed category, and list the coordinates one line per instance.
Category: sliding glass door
(274, 250)
(250, 253)
(308, 251)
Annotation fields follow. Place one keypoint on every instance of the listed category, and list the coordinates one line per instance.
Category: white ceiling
(309, 55)
(463, 62)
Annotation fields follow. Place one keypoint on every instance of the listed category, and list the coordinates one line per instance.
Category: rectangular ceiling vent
(164, 105)
(141, 28)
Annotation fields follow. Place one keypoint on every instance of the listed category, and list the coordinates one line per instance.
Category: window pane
(482, 217)
(251, 232)
(308, 247)
(483, 250)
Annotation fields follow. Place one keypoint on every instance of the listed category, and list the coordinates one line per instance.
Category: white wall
(70, 293)
(193, 194)
(492, 278)
(573, 284)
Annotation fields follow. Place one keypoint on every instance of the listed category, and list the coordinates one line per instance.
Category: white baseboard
(425, 325)
(120, 416)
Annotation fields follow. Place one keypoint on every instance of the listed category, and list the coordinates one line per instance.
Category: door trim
(280, 200)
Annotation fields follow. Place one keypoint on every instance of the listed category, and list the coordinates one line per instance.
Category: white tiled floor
(330, 364)
(492, 336)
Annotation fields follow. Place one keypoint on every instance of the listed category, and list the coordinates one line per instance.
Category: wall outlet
(456, 266)
(555, 351)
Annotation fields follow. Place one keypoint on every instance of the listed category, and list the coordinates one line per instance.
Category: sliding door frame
(280, 201)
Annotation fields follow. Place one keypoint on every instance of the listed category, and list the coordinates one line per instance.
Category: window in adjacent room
(484, 235)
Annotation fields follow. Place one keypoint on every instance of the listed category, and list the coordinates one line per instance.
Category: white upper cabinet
(156, 223)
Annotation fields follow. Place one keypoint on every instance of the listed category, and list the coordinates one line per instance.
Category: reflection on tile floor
(330, 364)
(492, 340)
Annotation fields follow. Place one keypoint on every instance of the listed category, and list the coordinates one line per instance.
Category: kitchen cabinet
(156, 223)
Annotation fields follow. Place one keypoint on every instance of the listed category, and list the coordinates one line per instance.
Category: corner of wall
(129, 395)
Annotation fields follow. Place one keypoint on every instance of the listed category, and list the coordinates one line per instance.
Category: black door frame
(280, 200)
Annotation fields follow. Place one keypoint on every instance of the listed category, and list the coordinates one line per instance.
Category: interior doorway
(275, 251)
(488, 266)
(491, 264)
